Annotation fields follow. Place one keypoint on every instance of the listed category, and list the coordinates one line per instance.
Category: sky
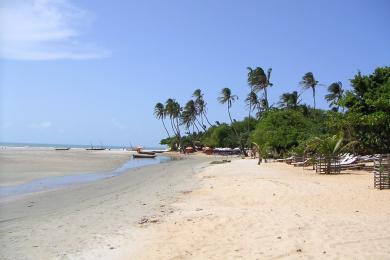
(81, 72)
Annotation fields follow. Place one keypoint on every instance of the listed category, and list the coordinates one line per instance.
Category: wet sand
(97, 220)
(20, 165)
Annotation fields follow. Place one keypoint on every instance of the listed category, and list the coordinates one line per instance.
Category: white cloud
(44, 30)
(118, 124)
(41, 125)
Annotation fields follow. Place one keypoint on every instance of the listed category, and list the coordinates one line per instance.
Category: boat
(62, 148)
(159, 151)
(145, 152)
(149, 156)
(95, 149)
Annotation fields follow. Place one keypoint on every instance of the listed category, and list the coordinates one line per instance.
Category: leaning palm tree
(252, 101)
(159, 112)
(227, 97)
(200, 104)
(169, 110)
(193, 113)
(176, 112)
(173, 110)
(335, 94)
(308, 81)
(187, 120)
(259, 80)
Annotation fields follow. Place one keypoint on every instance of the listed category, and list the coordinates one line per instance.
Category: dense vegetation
(361, 116)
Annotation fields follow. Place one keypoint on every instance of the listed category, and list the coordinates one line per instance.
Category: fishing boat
(96, 149)
(144, 156)
(62, 148)
(159, 151)
(145, 152)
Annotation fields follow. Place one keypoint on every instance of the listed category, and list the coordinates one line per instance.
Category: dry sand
(18, 166)
(273, 211)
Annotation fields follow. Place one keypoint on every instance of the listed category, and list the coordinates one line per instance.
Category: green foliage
(293, 128)
(329, 145)
(171, 142)
(368, 111)
(283, 129)
(220, 136)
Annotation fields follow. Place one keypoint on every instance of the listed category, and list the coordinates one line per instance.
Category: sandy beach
(273, 211)
(190, 209)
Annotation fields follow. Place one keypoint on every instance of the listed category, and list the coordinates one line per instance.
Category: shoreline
(20, 166)
(52, 183)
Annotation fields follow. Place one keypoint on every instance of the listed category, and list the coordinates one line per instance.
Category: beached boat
(159, 151)
(145, 152)
(95, 149)
(144, 156)
(62, 148)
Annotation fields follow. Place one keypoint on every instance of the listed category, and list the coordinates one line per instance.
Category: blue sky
(91, 71)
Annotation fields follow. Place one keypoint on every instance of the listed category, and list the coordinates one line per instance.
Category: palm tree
(201, 105)
(308, 81)
(188, 121)
(258, 80)
(169, 110)
(159, 112)
(335, 94)
(192, 112)
(173, 110)
(227, 97)
(289, 100)
(252, 101)
(176, 112)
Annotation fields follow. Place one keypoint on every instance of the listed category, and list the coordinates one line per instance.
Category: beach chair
(302, 164)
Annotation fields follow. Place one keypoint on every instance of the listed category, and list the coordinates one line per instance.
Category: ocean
(40, 145)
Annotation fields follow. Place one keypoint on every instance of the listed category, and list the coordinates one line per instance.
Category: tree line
(360, 115)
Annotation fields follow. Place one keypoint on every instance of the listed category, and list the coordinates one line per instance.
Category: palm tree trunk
(266, 98)
(230, 117)
(194, 124)
(314, 96)
(197, 120)
(207, 119)
(235, 132)
(250, 109)
(173, 127)
(162, 120)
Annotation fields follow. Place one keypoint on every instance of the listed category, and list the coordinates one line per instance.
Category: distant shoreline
(82, 146)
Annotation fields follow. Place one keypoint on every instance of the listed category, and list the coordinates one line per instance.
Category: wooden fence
(328, 165)
(382, 172)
